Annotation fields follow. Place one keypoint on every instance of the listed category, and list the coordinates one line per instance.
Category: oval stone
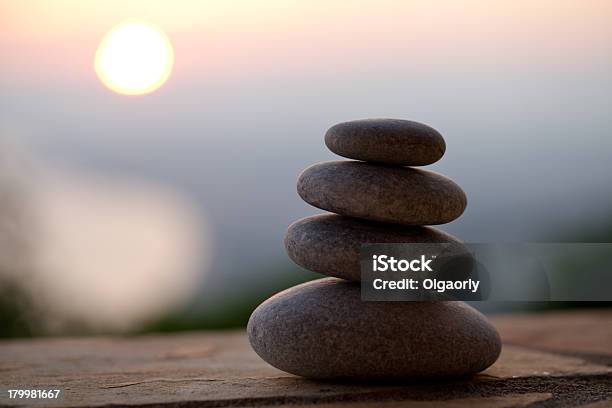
(322, 329)
(391, 141)
(400, 195)
(330, 243)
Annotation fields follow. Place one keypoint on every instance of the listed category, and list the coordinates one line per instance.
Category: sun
(134, 58)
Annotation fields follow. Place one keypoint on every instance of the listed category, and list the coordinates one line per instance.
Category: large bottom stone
(322, 329)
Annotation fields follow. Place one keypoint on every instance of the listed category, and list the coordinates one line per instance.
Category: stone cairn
(322, 329)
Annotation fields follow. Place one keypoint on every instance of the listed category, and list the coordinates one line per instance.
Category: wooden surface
(549, 360)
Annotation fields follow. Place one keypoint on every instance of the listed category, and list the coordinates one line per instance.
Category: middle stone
(330, 243)
(400, 195)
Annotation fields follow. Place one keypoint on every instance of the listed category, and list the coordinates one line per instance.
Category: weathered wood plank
(220, 369)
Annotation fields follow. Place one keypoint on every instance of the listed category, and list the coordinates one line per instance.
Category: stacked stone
(322, 329)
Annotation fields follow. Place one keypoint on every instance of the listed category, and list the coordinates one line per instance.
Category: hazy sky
(521, 91)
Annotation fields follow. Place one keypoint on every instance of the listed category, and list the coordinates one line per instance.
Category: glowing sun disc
(134, 58)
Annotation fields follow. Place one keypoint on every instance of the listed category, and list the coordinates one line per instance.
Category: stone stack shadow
(322, 329)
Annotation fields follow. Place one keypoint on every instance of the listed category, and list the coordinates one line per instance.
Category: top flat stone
(389, 141)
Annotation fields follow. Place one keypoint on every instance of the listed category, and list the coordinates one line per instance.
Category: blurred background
(166, 211)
